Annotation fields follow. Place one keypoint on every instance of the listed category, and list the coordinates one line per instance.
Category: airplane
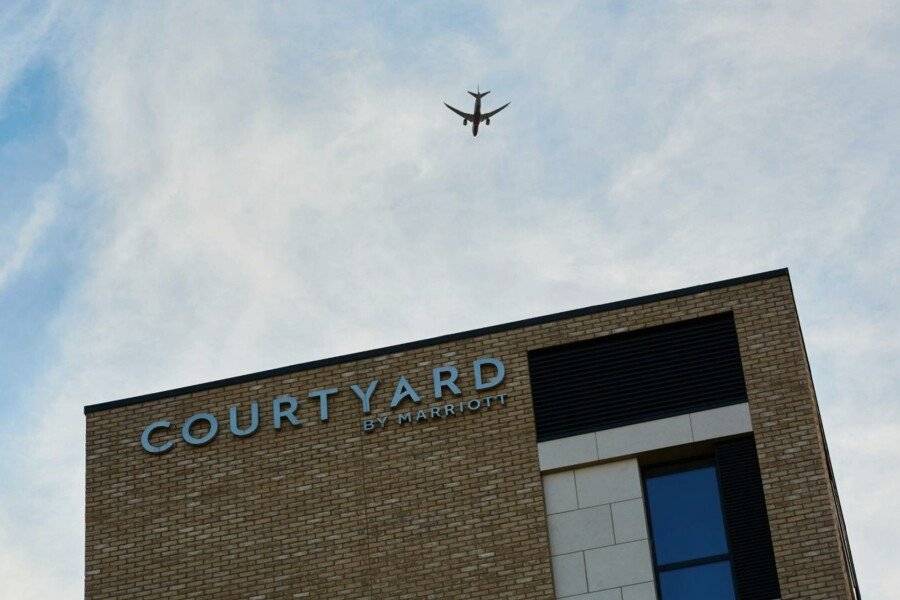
(477, 117)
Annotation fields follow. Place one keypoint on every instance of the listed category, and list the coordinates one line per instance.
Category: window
(688, 531)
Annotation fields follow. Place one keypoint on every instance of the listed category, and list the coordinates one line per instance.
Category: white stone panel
(641, 591)
(629, 521)
(580, 530)
(619, 565)
(641, 437)
(559, 492)
(568, 575)
(721, 422)
(575, 450)
(608, 483)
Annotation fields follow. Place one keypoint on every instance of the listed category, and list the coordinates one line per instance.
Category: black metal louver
(636, 376)
(746, 520)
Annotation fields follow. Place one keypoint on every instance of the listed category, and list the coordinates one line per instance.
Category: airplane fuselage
(477, 114)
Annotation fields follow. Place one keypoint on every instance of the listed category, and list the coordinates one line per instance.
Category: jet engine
(487, 121)
(465, 122)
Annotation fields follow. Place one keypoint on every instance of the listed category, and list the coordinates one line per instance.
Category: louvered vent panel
(744, 505)
(636, 376)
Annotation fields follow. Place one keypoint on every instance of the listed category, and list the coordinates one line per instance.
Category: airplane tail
(479, 94)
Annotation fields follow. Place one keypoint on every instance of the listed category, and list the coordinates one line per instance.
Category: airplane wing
(466, 116)
(494, 112)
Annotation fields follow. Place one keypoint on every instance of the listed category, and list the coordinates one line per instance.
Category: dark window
(747, 521)
(690, 545)
(636, 376)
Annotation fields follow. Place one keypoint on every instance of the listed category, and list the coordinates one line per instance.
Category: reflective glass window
(686, 515)
(689, 542)
(711, 581)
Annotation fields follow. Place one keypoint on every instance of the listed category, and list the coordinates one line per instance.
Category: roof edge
(433, 341)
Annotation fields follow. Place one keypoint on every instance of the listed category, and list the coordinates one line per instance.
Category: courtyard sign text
(488, 373)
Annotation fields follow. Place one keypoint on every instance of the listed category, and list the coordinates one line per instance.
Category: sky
(195, 190)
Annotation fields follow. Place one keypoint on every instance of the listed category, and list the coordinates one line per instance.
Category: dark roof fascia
(452, 337)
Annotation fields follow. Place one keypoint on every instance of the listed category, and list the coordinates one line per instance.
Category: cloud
(22, 575)
(27, 237)
(24, 27)
(280, 184)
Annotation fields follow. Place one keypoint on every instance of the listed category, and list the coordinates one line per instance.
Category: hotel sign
(202, 428)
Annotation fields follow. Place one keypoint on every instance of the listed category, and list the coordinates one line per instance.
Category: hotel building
(666, 447)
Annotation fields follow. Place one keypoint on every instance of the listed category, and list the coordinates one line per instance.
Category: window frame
(671, 468)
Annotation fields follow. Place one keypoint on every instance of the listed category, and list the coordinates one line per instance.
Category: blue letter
(207, 437)
(480, 384)
(365, 397)
(233, 421)
(449, 383)
(404, 390)
(148, 431)
(279, 412)
(322, 395)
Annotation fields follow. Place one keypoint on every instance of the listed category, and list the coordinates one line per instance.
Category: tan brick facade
(449, 508)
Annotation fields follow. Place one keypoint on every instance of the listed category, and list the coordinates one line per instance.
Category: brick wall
(447, 508)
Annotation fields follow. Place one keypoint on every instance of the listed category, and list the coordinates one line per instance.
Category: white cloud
(23, 34)
(284, 184)
(12, 259)
(23, 573)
